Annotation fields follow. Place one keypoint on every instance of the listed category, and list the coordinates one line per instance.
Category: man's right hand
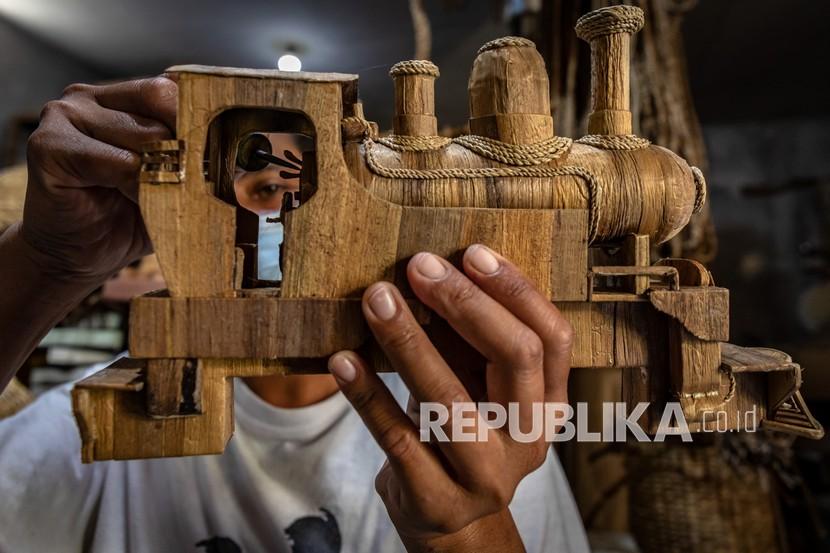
(81, 221)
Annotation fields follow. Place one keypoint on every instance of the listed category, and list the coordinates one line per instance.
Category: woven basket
(687, 498)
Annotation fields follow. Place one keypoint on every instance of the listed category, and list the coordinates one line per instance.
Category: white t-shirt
(291, 481)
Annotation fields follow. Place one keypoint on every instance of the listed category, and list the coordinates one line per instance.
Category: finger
(505, 283)
(429, 379)
(172, 76)
(416, 465)
(410, 352)
(154, 98)
(513, 348)
(115, 128)
(122, 129)
(58, 148)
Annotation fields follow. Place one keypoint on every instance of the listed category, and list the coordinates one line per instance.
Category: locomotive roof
(264, 73)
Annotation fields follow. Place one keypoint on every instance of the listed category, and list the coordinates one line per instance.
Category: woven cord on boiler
(402, 143)
(615, 141)
(537, 153)
(483, 172)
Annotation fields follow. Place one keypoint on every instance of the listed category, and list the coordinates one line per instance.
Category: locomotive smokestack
(415, 98)
(609, 30)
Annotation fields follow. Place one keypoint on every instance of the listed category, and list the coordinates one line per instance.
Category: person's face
(262, 191)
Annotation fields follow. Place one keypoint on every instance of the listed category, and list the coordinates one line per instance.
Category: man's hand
(453, 496)
(81, 218)
(81, 222)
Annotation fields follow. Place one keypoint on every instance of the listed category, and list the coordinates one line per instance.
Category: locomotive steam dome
(509, 92)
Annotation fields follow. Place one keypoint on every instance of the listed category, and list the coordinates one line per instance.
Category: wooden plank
(703, 311)
(616, 297)
(625, 270)
(602, 335)
(263, 73)
(593, 326)
(258, 327)
(569, 255)
(695, 374)
(547, 245)
(743, 359)
(633, 333)
(640, 347)
(124, 374)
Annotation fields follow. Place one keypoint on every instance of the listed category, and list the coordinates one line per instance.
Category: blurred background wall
(32, 72)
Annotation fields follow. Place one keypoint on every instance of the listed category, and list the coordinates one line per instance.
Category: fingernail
(342, 368)
(482, 259)
(383, 304)
(429, 266)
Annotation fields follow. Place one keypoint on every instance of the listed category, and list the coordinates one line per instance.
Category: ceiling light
(289, 62)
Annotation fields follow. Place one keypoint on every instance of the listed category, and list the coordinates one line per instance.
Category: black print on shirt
(310, 534)
(219, 544)
(315, 534)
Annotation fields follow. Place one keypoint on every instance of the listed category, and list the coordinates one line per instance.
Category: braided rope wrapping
(483, 172)
(537, 153)
(609, 21)
(414, 67)
(633, 142)
(615, 141)
(356, 119)
(730, 393)
(517, 41)
(700, 189)
(368, 132)
(402, 143)
(732, 386)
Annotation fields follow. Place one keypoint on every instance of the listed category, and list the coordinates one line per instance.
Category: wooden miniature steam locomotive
(577, 216)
